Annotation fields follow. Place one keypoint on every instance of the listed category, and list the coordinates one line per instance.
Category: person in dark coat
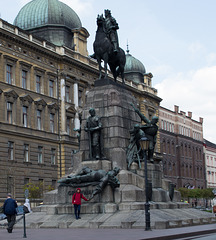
(9, 209)
(76, 201)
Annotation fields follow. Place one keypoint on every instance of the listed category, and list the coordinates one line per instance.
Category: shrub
(35, 190)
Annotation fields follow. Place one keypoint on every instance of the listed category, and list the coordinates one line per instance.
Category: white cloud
(193, 91)
(195, 47)
(161, 70)
(211, 58)
(79, 6)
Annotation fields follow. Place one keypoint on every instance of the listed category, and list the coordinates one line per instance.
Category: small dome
(40, 13)
(133, 65)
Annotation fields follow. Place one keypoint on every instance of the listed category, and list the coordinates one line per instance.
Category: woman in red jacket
(76, 201)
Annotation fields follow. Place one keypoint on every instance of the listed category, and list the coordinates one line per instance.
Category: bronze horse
(103, 49)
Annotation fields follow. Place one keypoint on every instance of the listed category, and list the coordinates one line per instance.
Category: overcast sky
(174, 39)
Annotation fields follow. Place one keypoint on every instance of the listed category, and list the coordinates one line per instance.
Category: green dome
(40, 13)
(133, 65)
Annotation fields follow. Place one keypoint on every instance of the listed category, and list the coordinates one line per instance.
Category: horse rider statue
(106, 46)
(110, 28)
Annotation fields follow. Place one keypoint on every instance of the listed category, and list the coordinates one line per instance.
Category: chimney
(201, 120)
(190, 114)
(176, 108)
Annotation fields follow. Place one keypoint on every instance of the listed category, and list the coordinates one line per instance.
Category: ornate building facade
(181, 140)
(45, 73)
(210, 159)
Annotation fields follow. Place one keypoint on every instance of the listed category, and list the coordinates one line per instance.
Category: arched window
(164, 146)
(189, 151)
(191, 173)
(186, 150)
(173, 148)
(182, 149)
(198, 172)
(170, 169)
(182, 169)
(168, 147)
(165, 167)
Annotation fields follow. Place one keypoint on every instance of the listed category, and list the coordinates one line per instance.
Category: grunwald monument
(110, 164)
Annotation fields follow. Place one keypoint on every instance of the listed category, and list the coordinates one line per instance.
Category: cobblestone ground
(107, 234)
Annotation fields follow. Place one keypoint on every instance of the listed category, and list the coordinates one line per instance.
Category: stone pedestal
(111, 102)
(98, 164)
(65, 193)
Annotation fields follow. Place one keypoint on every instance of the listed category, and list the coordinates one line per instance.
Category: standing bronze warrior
(93, 128)
(150, 129)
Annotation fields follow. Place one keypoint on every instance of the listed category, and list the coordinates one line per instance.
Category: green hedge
(196, 193)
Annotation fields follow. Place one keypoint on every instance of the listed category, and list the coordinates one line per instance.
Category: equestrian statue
(106, 46)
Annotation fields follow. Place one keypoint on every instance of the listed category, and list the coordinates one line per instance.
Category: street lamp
(144, 144)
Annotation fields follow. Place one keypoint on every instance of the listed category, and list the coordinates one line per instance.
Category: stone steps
(134, 219)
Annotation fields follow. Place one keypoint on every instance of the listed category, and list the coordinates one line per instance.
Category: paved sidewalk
(108, 234)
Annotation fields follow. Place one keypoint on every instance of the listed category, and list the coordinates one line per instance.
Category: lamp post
(144, 143)
(24, 220)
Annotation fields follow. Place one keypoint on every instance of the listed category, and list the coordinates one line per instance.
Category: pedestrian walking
(214, 204)
(76, 201)
(9, 209)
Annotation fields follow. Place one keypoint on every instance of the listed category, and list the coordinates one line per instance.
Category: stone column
(63, 113)
(76, 103)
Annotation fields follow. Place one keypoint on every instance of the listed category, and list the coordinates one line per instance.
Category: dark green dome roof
(133, 65)
(39, 13)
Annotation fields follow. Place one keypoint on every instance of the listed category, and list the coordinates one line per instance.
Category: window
(168, 126)
(10, 150)
(26, 181)
(173, 148)
(165, 125)
(173, 127)
(10, 185)
(38, 119)
(26, 152)
(51, 87)
(67, 93)
(9, 74)
(164, 146)
(53, 153)
(40, 154)
(52, 122)
(168, 147)
(162, 124)
(38, 84)
(9, 112)
(24, 79)
(68, 126)
(25, 117)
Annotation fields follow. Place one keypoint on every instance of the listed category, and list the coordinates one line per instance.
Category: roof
(39, 13)
(133, 65)
(209, 144)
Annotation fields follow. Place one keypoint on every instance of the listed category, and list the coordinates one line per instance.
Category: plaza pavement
(107, 234)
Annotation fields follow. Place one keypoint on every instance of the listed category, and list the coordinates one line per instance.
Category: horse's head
(100, 20)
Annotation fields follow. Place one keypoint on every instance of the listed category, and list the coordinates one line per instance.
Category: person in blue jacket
(9, 209)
